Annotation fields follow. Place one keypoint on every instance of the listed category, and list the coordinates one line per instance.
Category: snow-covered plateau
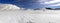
(13, 14)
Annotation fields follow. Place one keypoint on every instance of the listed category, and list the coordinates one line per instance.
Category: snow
(8, 7)
(29, 16)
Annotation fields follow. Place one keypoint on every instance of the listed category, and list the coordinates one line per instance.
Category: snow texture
(28, 16)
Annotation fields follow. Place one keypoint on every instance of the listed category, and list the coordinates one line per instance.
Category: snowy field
(28, 16)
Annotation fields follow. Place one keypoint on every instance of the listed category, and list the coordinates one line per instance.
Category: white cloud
(53, 1)
(55, 5)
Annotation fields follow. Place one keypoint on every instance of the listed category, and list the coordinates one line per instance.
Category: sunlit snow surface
(29, 16)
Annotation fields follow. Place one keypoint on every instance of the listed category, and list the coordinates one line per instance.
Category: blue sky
(33, 3)
(23, 3)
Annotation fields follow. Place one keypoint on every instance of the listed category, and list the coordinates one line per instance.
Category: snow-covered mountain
(8, 7)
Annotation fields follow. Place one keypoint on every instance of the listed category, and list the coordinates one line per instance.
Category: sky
(33, 3)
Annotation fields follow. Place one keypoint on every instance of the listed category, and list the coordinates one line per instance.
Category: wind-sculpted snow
(29, 16)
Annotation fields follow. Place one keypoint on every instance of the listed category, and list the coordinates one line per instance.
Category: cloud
(53, 1)
(55, 5)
